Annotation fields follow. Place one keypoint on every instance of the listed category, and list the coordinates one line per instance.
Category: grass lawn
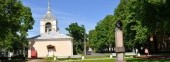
(92, 57)
(127, 60)
(105, 58)
(113, 60)
(146, 60)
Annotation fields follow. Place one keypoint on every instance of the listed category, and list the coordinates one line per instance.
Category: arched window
(48, 27)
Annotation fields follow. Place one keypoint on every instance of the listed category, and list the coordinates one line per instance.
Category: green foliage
(15, 21)
(77, 32)
(141, 19)
(103, 36)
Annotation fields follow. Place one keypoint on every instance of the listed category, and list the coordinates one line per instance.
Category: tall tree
(77, 32)
(15, 21)
(102, 37)
(142, 20)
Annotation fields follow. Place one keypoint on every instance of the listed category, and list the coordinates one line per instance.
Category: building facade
(50, 42)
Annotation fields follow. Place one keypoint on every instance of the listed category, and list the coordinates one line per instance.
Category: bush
(20, 56)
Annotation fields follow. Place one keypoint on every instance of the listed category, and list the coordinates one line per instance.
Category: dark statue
(119, 24)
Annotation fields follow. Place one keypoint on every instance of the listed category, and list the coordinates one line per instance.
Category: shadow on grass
(147, 60)
(16, 60)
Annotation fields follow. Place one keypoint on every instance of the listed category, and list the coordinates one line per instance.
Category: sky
(84, 12)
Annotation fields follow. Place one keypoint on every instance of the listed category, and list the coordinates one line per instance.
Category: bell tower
(48, 22)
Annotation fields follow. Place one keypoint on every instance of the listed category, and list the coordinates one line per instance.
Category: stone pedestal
(119, 49)
(82, 58)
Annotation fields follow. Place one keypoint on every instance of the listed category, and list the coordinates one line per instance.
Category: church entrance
(51, 50)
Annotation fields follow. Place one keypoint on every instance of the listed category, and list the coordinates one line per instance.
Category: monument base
(120, 61)
(120, 57)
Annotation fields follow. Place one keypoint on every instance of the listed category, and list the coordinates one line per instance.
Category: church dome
(48, 16)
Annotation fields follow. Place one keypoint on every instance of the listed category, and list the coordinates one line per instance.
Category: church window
(48, 27)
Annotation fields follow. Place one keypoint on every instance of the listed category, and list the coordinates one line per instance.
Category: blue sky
(84, 12)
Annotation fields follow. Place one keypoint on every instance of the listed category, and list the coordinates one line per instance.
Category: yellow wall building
(50, 42)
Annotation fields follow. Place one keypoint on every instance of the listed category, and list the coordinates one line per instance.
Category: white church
(50, 42)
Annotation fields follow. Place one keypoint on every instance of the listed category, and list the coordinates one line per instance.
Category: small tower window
(48, 27)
